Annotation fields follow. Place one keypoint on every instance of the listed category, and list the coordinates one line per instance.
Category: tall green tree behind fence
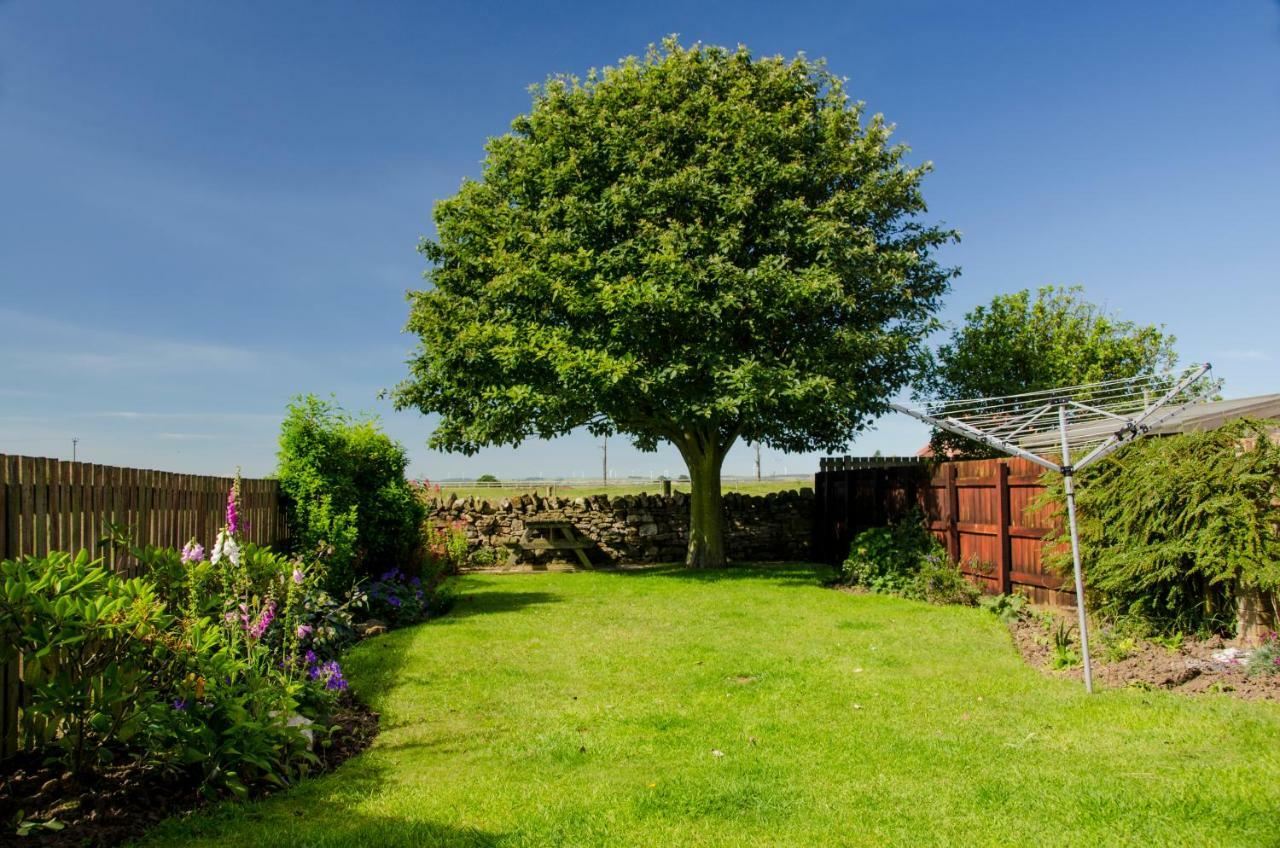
(51, 505)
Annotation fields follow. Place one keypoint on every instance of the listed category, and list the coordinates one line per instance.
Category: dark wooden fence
(981, 510)
(50, 505)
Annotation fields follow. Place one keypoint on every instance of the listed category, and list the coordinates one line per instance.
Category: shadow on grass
(475, 601)
(289, 823)
(778, 573)
(377, 665)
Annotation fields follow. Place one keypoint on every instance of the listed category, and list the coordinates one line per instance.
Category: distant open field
(570, 489)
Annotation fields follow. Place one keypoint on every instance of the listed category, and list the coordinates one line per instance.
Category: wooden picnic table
(554, 534)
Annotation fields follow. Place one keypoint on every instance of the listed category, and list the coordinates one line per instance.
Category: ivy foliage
(695, 247)
(1029, 341)
(348, 502)
(1172, 527)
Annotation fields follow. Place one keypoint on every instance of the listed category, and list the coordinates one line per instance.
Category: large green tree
(1029, 341)
(695, 247)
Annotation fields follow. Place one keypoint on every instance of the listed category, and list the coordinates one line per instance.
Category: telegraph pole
(74, 441)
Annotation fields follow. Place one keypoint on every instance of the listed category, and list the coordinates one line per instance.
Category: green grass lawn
(586, 709)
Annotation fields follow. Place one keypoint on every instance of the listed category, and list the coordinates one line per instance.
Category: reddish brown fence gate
(49, 505)
(981, 510)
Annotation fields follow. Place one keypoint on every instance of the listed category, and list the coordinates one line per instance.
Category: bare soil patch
(1197, 665)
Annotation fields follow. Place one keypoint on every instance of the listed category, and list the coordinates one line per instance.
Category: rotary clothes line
(1092, 420)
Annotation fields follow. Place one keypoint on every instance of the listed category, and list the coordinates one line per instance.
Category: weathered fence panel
(51, 505)
(982, 511)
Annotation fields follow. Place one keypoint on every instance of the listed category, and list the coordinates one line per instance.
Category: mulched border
(1190, 668)
(121, 803)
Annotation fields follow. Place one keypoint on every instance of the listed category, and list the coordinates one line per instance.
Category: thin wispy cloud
(83, 349)
(136, 415)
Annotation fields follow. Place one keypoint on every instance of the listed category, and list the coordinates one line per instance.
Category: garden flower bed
(120, 802)
(214, 674)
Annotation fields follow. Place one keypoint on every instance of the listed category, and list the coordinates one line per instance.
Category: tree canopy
(694, 247)
(1029, 341)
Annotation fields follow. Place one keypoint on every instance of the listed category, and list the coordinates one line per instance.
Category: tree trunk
(706, 510)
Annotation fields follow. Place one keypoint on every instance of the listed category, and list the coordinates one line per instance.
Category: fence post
(953, 513)
(9, 670)
(4, 507)
(1004, 564)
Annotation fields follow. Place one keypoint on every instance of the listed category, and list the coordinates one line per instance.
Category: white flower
(216, 556)
(232, 550)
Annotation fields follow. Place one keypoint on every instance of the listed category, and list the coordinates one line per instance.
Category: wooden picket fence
(984, 511)
(51, 505)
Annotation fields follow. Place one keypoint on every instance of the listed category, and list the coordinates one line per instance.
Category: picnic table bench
(554, 534)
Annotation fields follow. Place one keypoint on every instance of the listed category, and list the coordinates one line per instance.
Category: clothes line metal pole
(1068, 482)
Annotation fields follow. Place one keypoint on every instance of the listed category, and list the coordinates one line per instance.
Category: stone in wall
(635, 528)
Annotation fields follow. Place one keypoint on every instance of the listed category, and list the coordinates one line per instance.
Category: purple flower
(417, 581)
(179, 704)
(310, 657)
(297, 576)
(331, 674)
(394, 601)
(233, 517)
(193, 551)
(304, 630)
(263, 621)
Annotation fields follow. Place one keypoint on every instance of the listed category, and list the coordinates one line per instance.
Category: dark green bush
(347, 499)
(905, 559)
(90, 641)
(886, 559)
(938, 581)
(1171, 528)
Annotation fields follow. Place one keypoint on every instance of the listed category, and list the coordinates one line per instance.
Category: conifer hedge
(1173, 528)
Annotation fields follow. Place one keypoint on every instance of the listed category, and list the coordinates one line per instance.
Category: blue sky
(208, 208)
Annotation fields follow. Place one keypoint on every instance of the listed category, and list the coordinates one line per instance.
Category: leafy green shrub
(88, 638)
(1172, 527)
(939, 581)
(347, 499)
(483, 557)
(486, 478)
(447, 549)
(1007, 608)
(887, 559)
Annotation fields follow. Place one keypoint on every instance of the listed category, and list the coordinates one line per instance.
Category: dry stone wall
(634, 528)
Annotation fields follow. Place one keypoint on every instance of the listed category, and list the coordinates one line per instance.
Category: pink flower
(297, 576)
(263, 621)
(233, 517)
